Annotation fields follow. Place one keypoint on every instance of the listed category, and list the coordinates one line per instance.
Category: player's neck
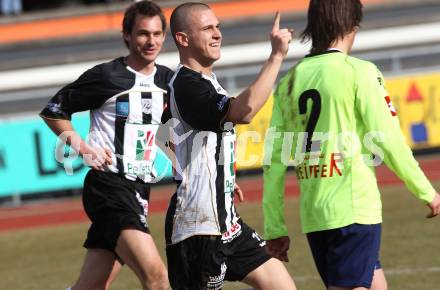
(344, 44)
(195, 65)
(341, 46)
(140, 65)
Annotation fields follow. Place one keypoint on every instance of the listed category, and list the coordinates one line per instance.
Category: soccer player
(207, 241)
(341, 103)
(126, 98)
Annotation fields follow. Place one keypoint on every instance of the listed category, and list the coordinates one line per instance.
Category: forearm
(274, 179)
(401, 161)
(246, 105)
(66, 130)
(273, 202)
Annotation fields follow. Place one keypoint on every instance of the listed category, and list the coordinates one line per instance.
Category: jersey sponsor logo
(122, 109)
(144, 145)
(306, 171)
(139, 150)
(391, 106)
(139, 169)
(229, 144)
(233, 232)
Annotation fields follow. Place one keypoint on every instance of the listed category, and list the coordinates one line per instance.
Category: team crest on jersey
(146, 106)
(391, 106)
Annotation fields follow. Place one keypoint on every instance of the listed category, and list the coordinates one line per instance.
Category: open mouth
(149, 51)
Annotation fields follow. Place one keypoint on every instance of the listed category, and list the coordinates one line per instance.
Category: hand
(434, 206)
(97, 158)
(238, 192)
(280, 38)
(278, 248)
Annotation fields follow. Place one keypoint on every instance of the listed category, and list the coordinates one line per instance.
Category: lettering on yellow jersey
(334, 168)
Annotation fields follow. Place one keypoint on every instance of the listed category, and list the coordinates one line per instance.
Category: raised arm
(246, 105)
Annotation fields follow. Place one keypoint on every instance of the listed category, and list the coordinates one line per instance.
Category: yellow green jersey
(343, 109)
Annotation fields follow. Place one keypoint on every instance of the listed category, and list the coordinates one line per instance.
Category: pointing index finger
(276, 23)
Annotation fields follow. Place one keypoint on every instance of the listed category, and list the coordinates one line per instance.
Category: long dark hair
(329, 20)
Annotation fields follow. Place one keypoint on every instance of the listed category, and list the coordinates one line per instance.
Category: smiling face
(204, 36)
(146, 39)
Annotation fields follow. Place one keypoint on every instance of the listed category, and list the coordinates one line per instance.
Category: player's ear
(126, 37)
(182, 39)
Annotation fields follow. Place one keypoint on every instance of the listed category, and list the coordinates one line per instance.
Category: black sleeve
(86, 93)
(162, 79)
(200, 105)
(166, 115)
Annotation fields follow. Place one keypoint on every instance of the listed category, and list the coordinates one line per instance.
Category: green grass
(50, 258)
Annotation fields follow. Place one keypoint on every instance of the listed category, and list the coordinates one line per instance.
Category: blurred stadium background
(47, 44)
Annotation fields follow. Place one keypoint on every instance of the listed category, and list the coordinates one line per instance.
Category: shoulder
(361, 66)
(93, 72)
(164, 72)
(366, 71)
(285, 84)
(189, 80)
(161, 69)
(107, 70)
(288, 76)
(115, 65)
(163, 76)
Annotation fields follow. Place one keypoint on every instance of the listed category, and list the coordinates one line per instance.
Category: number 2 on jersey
(314, 114)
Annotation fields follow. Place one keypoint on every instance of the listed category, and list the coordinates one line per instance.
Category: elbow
(246, 120)
(46, 120)
(243, 115)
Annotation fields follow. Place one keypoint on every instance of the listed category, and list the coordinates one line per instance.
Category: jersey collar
(330, 50)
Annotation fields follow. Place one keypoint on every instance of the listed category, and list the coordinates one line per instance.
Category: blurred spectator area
(42, 5)
(34, 5)
(73, 31)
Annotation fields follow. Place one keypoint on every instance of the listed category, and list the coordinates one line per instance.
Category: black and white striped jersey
(205, 159)
(125, 112)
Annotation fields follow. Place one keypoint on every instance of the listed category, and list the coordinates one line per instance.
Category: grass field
(50, 258)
